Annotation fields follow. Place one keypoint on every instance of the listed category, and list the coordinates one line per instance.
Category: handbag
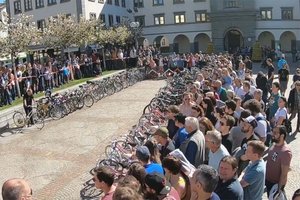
(288, 124)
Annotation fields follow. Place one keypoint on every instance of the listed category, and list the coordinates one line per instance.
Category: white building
(3, 18)
(187, 25)
(111, 12)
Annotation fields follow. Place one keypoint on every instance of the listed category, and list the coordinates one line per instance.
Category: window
(28, 5)
(118, 19)
(93, 16)
(138, 3)
(100, 1)
(159, 19)
(110, 20)
(266, 13)
(102, 18)
(179, 18)
(123, 4)
(109, 2)
(92, 0)
(140, 19)
(158, 2)
(231, 4)
(39, 3)
(201, 16)
(178, 1)
(41, 24)
(199, 0)
(63, 1)
(117, 3)
(17, 7)
(51, 2)
(286, 13)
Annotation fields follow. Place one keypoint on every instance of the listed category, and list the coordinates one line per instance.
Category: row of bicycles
(119, 155)
(60, 105)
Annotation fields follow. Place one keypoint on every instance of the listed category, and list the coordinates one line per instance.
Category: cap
(142, 153)
(251, 120)
(158, 183)
(162, 131)
(180, 118)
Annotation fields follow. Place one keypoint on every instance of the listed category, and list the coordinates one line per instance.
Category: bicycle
(21, 120)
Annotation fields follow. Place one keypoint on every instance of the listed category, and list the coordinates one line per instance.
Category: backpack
(269, 129)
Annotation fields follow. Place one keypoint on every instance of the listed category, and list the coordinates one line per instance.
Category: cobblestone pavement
(57, 159)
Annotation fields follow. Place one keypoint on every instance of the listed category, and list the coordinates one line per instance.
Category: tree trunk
(15, 74)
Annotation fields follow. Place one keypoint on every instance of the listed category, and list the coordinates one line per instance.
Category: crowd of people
(226, 140)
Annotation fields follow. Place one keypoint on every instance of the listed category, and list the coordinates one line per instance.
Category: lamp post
(135, 26)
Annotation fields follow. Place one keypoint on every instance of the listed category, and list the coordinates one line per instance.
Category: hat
(162, 131)
(158, 183)
(142, 153)
(180, 118)
(251, 120)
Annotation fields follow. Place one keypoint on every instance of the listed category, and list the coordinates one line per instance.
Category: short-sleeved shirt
(108, 196)
(281, 112)
(154, 167)
(283, 74)
(230, 190)
(270, 71)
(277, 156)
(255, 177)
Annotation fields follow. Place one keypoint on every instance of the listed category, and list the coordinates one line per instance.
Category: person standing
(278, 160)
(294, 104)
(27, 104)
(271, 72)
(283, 76)
(253, 180)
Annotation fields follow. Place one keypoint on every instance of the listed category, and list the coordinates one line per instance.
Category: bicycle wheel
(19, 119)
(88, 100)
(39, 122)
(113, 165)
(56, 113)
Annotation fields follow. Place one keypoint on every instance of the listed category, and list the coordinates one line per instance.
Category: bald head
(16, 189)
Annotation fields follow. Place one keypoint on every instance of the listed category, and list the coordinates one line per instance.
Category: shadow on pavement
(90, 192)
(291, 137)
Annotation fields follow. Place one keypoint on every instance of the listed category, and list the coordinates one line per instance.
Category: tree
(22, 32)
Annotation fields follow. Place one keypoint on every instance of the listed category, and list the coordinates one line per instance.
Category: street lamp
(135, 26)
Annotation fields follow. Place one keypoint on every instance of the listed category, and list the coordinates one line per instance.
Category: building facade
(186, 25)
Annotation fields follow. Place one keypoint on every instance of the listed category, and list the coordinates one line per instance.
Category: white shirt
(281, 112)
(261, 128)
(239, 91)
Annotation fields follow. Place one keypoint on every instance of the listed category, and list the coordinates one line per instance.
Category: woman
(208, 108)
(205, 125)
(177, 178)
(197, 112)
(281, 113)
(185, 107)
(154, 151)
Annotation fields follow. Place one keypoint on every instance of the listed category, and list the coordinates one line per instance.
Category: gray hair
(192, 122)
(207, 176)
(258, 91)
(215, 136)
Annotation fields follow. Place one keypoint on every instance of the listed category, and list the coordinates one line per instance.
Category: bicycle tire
(39, 122)
(146, 109)
(79, 102)
(19, 119)
(112, 164)
(55, 113)
(88, 100)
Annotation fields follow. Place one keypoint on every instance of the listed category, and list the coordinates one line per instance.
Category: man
(104, 178)
(203, 183)
(255, 107)
(194, 146)
(238, 88)
(248, 63)
(229, 188)
(283, 76)
(16, 189)
(294, 104)
(248, 95)
(226, 122)
(281, 62)
(271, 70)
(248, 126)
(217, 151)
(278, 160)
(181, 134)
(170, 114)
(161, 135)
(253, 180)
(143, 155)
(220, 90)
(158, 188)
(273, 101)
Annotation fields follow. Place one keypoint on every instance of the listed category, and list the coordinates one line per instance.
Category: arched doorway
(201, 42)
(266, 39)
(287, 41)
(181, 44)
(162, 43)
(233, 40)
